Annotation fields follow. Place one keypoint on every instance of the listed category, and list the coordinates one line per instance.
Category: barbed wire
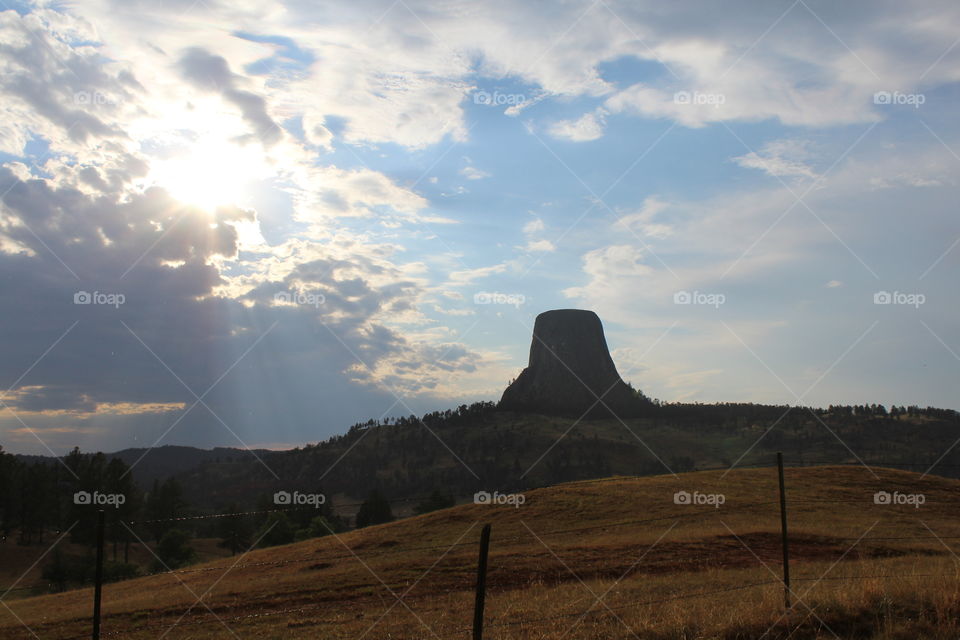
(26, 588)
(229, 514)
(359, 504)
(700, 594)
(758, 465)
(327, 558)
(605, 526)
(353, 554)
(675, 517)
(235, 514)
(708, 512)
(875, 577)
(593, 609)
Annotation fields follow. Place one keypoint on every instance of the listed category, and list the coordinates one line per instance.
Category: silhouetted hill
(169, 460)
(479, 447)
(476, 447)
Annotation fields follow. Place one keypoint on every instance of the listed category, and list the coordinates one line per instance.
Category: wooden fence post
(783, 532)
(98, 584)
(481, 583)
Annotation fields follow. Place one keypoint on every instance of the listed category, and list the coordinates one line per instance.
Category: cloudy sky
(251, 224)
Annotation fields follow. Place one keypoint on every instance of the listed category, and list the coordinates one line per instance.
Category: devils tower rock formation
(570, 367)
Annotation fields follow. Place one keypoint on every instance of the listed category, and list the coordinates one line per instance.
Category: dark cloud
(210, 72)
(160, 256)
(70, 88)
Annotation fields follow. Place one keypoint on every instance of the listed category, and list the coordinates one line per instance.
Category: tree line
(147, 531)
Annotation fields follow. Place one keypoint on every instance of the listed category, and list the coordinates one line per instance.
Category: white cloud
(468, 276)
(415, 96)
(782, 158)
(644, 220)
(102, 82)
(534, 226)
(587, 127)
(472, 173)
(611, 269)
(317, 133)
(777, 266)
(540, 246)
(534, 244)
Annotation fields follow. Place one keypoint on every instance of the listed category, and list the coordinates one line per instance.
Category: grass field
(613, 558)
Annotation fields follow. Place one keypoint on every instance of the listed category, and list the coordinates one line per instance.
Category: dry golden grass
(622, 539)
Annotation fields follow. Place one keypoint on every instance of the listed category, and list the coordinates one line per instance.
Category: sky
(252, 224)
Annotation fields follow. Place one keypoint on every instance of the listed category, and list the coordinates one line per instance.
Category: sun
(211, 173)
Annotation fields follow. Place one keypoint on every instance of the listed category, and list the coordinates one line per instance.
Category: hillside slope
(564, 547)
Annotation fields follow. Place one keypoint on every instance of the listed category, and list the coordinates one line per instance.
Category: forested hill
(165, 461)
(478, 447)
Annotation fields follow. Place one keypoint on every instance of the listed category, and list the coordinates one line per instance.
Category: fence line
(267, 511)
(512, 623)
(695, 515)
(301, 559)
(590, 480)
(698, 594)
(27, 588)
(236, 514)
(481, 588)
(357, 504)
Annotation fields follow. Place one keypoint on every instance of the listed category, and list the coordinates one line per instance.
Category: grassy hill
(663, 570)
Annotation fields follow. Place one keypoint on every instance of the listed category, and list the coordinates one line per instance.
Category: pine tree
(374, 510)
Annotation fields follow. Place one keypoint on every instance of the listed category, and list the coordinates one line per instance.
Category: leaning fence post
(783, 532)
(98, 584)
(481, 583)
